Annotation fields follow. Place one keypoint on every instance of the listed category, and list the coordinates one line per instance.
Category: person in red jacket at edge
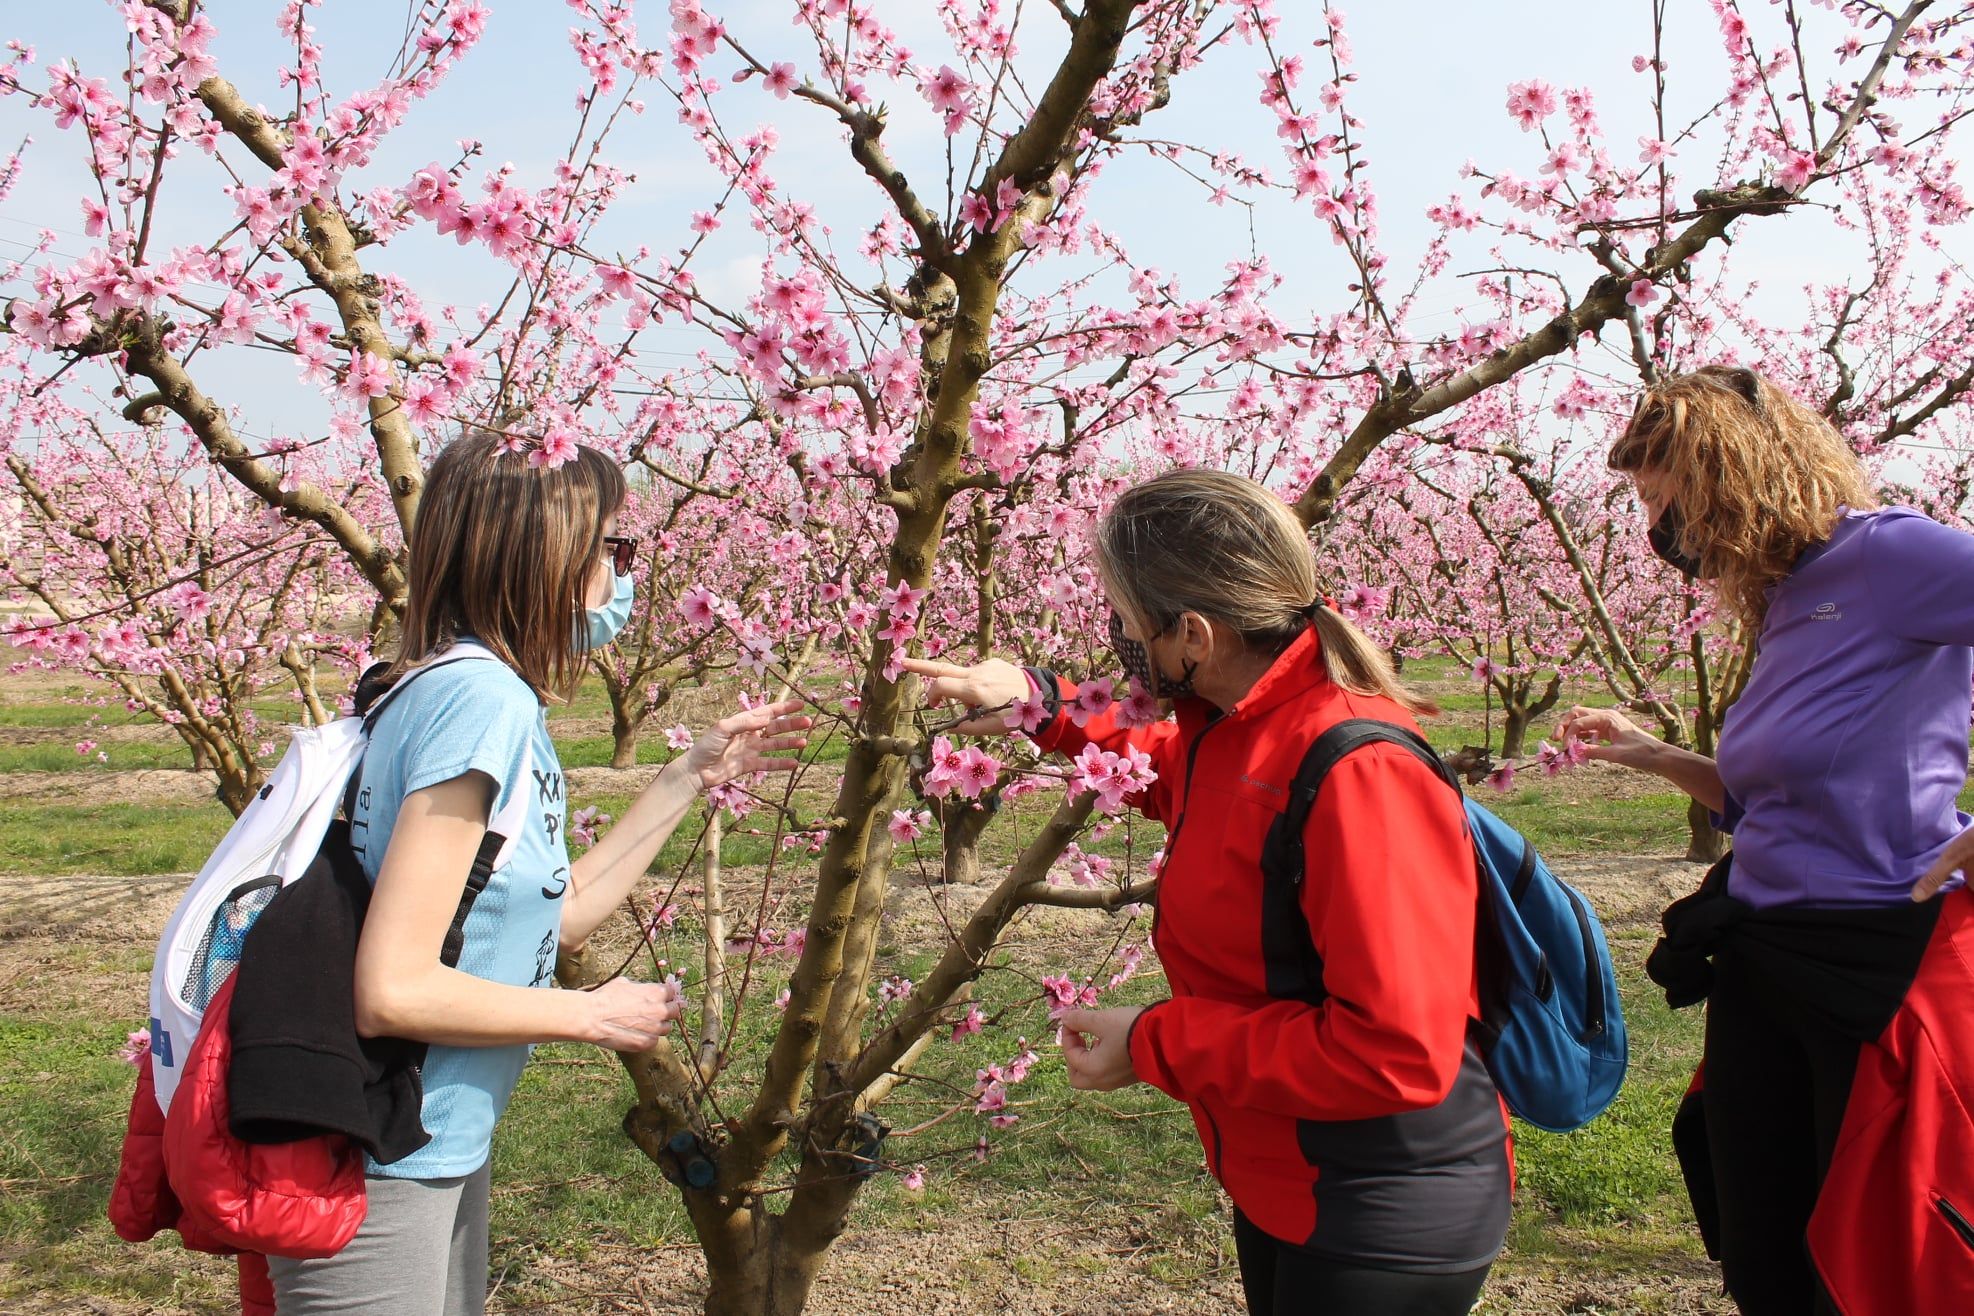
(1334, 1076)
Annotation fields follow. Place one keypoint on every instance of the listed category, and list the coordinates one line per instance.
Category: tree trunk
(1514, 730)
(1705, 843)
(237, 787)
(774, 1276)
(623, 733)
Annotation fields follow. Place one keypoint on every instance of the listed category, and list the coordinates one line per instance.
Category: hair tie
(1309, 610)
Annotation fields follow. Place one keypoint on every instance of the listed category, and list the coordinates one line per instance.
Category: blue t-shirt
(474, 715)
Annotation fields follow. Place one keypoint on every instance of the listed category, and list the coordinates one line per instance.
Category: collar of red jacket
(1297, 671)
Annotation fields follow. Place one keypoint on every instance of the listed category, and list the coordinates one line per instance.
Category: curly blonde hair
(1757, 476)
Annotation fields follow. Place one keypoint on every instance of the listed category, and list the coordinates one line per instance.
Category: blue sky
(1432, 86)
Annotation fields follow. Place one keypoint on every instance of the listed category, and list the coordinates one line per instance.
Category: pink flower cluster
(1063, 993)
(990, 1088)
(583, 825)
(1112, 777)
(968, 772)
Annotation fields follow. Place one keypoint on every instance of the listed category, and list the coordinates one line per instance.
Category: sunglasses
(622, 551)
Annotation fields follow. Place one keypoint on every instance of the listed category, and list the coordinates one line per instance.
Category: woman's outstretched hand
(1608, 734)
(750, 741)
(991, 685)
(1096, 1047)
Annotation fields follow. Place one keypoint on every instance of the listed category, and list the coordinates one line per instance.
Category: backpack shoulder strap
(371, 703)
(1282, 853)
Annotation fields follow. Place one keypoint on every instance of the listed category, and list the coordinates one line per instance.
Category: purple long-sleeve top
(1843, 759)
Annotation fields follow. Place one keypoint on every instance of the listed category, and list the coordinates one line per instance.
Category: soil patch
(129, 786)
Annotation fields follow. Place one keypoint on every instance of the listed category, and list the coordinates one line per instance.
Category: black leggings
(1777, 1079)
(1281, 1279)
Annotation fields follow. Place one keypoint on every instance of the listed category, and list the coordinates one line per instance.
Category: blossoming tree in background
(177, 589)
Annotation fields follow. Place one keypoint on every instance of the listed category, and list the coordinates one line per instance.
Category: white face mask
(601, 625)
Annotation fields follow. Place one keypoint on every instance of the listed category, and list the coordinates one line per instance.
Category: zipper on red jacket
(1186, 792)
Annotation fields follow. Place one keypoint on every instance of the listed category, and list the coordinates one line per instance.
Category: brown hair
(1757, 476)
(1221, 545)
(503, 551)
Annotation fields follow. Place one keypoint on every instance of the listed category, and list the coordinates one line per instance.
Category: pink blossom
(583, 825)
(557, 446)
(1112, 777)
(977, 772)
(943, 769)
(136, 1047)
(947, 91)
(700, 606)
(1502, 778)
(368, 376)
(915, 1181)
(1093, 698)
(907, 826)
(1139, 709)
(969, 1023)
(1027, 714)
(1798, 167)
(678, 736)
(1060, 993)
(1642, 293)
(781, 79)
(1529, 103)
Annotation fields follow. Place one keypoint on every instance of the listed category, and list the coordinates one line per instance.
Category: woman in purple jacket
(1838, 771)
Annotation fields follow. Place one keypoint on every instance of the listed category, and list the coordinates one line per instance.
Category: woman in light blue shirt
(519, 561)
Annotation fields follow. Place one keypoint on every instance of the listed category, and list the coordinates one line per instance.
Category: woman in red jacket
(1333, 1073)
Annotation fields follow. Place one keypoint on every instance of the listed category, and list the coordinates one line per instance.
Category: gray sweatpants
(421, 1251)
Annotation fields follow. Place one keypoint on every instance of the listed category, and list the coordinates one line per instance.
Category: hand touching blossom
(747, 742)
(993, 687)
(1096, 1047)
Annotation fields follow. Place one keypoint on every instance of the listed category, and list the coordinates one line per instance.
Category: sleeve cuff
(1050, 686)
(1138, 1042)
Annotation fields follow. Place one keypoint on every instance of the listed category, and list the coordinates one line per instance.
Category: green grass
(1644, 824)
(567, 1180)
(60, 756)
(112, 838)
(65, 1094)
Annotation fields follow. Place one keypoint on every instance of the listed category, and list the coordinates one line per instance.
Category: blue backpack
(1552, 1029)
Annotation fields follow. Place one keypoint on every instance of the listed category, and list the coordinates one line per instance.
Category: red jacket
(186, 1171)
(1893, 1230)
(1354, 1115)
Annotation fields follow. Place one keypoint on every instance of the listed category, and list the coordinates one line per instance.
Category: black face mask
(1664, 539)
(1136, 661)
